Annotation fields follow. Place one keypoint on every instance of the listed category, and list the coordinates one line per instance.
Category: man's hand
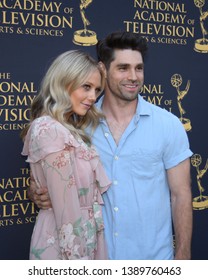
(39, 196)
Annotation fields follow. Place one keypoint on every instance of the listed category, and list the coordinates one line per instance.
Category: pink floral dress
(72, 171)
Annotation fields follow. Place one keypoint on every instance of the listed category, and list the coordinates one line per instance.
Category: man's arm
(39, 196)
(181, 199)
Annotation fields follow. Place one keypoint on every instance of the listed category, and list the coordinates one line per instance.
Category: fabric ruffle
(47, 136)
(102, 180)
(44, 137)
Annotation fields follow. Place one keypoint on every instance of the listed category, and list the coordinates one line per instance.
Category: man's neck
(118, 115)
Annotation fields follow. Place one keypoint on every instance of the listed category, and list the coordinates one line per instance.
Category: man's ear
(102, 67)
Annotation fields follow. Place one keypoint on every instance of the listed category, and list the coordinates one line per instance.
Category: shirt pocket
(146, 164)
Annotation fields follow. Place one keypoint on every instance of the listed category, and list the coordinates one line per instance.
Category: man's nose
(132, 75)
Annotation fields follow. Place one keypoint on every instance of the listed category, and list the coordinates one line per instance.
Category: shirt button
(115, 208)
(116, 233)
(106, 134)
(116, 157)
(115, 182)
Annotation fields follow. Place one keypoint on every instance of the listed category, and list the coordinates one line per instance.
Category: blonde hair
(70, 69)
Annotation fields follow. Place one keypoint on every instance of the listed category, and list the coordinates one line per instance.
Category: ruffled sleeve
(101, 178)
(103, 182)
(44, 137)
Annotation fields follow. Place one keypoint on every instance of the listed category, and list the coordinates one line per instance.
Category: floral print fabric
(72, 171)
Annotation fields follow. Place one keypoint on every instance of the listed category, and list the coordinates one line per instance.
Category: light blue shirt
(137, 211)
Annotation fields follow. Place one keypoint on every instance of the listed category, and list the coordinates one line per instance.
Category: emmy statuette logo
(85, 37)
(176, 81)
(200, 202)
(201, 45)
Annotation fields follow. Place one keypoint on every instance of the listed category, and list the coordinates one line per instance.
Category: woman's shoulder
(46, 124)
(47, 127)
(46, 135)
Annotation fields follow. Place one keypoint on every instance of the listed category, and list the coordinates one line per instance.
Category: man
(146, 154)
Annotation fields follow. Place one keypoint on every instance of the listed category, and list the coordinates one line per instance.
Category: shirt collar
(142, 107)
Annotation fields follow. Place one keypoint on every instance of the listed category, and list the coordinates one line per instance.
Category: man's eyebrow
(127, 64)
(122, 64)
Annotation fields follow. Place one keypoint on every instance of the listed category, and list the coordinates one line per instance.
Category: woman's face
(85, 96)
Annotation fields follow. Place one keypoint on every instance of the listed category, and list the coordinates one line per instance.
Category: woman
(62, 158)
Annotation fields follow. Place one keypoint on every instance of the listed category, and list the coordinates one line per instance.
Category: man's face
(125, 75)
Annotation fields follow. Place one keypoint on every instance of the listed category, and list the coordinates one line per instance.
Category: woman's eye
(98, 91)
(87, 87)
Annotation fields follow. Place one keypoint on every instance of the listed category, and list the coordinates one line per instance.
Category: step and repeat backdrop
(33, 33)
